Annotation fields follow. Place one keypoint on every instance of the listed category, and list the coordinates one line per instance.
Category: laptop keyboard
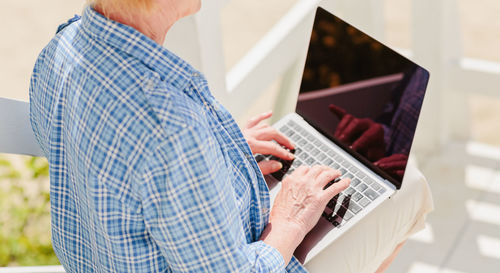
(311, 151)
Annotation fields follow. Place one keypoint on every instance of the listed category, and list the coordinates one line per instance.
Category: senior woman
(149, 173)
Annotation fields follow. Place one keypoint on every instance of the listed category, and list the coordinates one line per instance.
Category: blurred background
(256, 50)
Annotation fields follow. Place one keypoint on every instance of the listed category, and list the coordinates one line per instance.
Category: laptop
(357, 111)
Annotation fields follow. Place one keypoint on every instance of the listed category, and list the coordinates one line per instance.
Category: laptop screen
(362, 95)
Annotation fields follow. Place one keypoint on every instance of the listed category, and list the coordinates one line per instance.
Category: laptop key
(369, 181)
(371, 194)
(348, 175)
(310, 161)
(328, 161)
(354, 208)
(349, 191)
(376, 186)
(361, 187)
(355, 182)
(302, 142)
(357, 196)
(382, 190)
(305, 133)
(348, 215)
(308, 147)
(364, 202)
(296, 138)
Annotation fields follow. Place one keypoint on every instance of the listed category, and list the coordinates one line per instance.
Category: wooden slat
(270, 57)
(475, 76)
(198, 40)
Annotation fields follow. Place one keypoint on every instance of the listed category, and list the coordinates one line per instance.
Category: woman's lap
(366, 245)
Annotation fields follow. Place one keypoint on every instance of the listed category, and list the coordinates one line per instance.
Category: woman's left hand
(259, 138)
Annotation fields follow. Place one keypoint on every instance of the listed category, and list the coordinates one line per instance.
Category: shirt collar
(125, 38)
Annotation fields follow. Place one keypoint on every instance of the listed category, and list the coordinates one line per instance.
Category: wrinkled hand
(394, 165)
(303, 196)
(362, 135)
(259, 137)
(298, 206)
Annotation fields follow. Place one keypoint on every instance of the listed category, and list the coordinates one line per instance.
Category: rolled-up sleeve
(190, 210)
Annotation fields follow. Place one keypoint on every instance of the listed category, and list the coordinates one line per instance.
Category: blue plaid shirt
(148, 172)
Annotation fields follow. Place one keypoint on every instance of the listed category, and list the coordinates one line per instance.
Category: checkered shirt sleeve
(190, 211)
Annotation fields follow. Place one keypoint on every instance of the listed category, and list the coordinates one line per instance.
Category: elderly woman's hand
(259, 138)
(298, 206)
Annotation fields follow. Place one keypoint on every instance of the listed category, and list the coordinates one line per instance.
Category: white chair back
(16, 136)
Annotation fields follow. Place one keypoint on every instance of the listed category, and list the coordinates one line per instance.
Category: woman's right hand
(298, 206)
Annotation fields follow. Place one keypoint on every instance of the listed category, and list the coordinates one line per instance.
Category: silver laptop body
(366, 95)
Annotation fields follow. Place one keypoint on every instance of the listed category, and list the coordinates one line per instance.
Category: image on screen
(363, 95)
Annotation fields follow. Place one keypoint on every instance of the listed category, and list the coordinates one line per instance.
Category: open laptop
(357, 111)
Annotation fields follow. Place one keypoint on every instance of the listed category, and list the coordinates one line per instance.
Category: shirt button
(265, 210)
(196, 74)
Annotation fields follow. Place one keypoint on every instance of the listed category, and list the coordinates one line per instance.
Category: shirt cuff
(294, 266)
(269, 256)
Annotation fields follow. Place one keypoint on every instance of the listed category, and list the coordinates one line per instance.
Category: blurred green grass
(25, 212)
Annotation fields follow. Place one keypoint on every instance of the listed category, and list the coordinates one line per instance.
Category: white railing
(281, 52)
